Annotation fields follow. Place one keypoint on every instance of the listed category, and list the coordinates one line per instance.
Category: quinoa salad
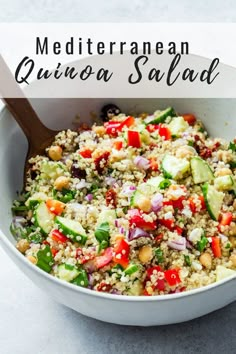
(139, 205)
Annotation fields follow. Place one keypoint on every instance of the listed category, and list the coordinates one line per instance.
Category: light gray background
(30, 322)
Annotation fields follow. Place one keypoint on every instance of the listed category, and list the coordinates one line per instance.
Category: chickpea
(22, 245)
(185, 152)
(145, 254)
(99, 130)
(223, 172)
(233, 259)
(232, 231)
(145, 204)
(206, 260)
(32, 259)
(61, 182)
(55, 153)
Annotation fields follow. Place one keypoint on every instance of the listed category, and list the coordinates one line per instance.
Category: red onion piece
(121, 230)
(110, 181)
(89, 197)
(137, 233)
(142, 163)
(116, 223)
(156, 202)
(179, 244)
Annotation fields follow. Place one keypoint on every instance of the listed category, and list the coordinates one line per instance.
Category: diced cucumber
(155, 181)
(52, 170)
(140, 128)
(107, 215)
(137, 198)
(136, 288)
(177, 126)
(201, 171)
(146, 188)
(71, 228)
(131, 269)
(67, 272)
(213, 200)
(174, 167)
(36, 198)
(160, 117)
(224, 183)
(81, 279)
(223, 272)
(145, 136)
(44, 218)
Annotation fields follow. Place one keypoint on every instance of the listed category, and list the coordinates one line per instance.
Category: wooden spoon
(39, 137)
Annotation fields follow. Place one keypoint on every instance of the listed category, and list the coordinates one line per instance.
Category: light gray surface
(30, 322)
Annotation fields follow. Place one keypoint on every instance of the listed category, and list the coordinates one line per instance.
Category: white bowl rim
(114, 297)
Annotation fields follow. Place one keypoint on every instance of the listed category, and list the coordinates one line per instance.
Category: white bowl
(218, 115)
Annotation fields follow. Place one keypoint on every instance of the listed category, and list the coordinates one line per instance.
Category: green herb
(174, 136)
(94, 188)
(45, 259)
(201, 130)
(164, 184)
(228, 245)
(81, 279)
(202, 243)
(102, 234)
(110, 170)
(19, 208)
(190, 143)
(232, 146)
(232, 164)
(125, 209)
(187, 260)
(159, 255)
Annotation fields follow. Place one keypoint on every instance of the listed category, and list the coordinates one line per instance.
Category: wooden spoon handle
(21, 108)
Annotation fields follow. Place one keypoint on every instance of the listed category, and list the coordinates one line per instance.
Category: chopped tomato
(189, 118)
(103, 157)
(117, 145)
(104, 287)
(152, 127)
(112, 128)
(192, 203)
(159, 237)
(172, 277)
(86, 153)
(153, 164)
(111, 197)
(215, 246)
(177, 204)
(164, 132)
(146, 293)
(152, 269)
(54, 252)
(226, 218)
(128, 122)
(121, 252)
(55, 206)
(169, 223)
(134, 139)
(178, 229)
(46, 242)
(106, 258)
(58, 236)
(136, 219)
